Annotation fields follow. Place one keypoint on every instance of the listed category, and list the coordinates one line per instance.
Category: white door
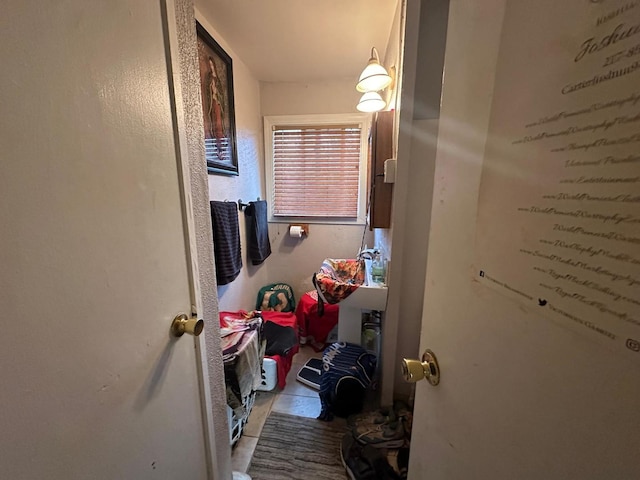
(521, 396)
(93, 263)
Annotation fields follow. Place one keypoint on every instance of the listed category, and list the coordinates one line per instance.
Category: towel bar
(242, 206)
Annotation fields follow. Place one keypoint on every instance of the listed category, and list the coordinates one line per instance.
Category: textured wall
(193, 122)
(249, 184)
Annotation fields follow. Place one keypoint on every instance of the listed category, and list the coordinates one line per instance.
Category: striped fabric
(344, 366)
(226, 241)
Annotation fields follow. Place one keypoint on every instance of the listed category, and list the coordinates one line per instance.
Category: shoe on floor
(363, 462)
(383, 435)
(351, 455)
(375, 417)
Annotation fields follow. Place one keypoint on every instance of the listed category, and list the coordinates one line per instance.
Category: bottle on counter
(378, 269)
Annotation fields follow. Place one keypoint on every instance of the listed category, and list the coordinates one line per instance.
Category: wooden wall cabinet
(381, 149)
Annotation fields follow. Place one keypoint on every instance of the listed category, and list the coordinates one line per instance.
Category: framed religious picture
(216, 88)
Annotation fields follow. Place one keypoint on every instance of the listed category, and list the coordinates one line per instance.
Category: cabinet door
(381, 150)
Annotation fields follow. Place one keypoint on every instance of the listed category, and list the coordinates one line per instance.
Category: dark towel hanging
(257, 231)
(226, 241)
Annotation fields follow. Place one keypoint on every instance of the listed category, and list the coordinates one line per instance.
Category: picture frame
(218, 109)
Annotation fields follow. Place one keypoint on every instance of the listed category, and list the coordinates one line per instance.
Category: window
(317, 167)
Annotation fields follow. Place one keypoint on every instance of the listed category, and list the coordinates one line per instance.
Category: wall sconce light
(371, 102)
(373, 78)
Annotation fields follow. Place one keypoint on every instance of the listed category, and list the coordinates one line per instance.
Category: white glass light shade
(371, 102)
(373, 78)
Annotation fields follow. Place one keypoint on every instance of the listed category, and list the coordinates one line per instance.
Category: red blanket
(314, 329)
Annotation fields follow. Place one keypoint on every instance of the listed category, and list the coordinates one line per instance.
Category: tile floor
(295, 399)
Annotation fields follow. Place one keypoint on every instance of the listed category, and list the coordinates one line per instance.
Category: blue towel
(257, 231)
(226, 241)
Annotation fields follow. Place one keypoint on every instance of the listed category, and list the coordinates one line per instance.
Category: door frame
(198, 238)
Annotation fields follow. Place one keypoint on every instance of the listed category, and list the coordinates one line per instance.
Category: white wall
(413, 239)
(413, 191)
(393, 61)
(294, 261)
(249, 184)
(339, 96)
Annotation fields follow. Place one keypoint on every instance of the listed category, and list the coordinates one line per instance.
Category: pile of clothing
(376, 447)
(247, 337)
(242, 338)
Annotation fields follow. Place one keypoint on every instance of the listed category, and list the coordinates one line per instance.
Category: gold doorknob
(183, 324)
(415, 370)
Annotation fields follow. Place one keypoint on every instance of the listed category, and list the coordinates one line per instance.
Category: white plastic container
(269, 375)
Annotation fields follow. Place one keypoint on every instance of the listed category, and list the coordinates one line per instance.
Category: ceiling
(302, 40)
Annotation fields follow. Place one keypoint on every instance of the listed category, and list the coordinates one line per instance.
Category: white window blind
(316, 170)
